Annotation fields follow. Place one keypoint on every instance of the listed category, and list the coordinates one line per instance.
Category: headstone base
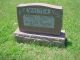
(59, 40)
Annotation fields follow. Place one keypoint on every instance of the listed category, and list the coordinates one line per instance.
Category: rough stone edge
(40, 4)
(55, 40)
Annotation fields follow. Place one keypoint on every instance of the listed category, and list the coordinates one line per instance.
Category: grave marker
(39, 20)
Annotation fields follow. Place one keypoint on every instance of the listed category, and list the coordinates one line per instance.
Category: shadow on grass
(68, 43)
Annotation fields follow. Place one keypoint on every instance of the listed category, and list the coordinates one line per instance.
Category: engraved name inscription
(38, 17)
(44, 11)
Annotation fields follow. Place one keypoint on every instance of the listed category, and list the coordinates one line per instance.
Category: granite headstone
(40, 21)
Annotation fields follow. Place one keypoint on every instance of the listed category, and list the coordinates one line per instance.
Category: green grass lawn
(11, 50)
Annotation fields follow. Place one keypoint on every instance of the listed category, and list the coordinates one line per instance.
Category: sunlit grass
(11, 50)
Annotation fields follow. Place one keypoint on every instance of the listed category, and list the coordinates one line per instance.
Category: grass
(11, 50)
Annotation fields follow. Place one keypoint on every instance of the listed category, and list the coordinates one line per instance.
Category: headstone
(40, 21)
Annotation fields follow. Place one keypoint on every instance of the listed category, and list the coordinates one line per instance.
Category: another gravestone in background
(40, 22)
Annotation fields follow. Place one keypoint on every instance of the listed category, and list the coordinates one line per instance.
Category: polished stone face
(40, 18)
(38, 21)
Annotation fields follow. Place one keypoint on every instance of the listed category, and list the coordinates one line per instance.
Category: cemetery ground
(11, 50)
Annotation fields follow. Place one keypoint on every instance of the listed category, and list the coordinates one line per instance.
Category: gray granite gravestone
(40, 22)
